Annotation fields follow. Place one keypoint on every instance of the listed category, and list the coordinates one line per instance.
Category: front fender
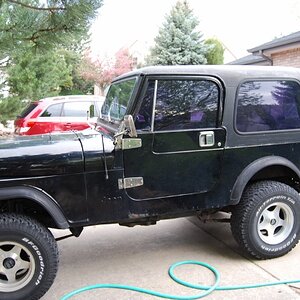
(255, 167)
(39, 196)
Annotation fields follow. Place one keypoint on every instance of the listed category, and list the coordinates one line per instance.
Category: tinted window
(76, 109)
(52, 111)
(268, 105)
(28, 110)
(144, 116)
(186, 104)
(117, 99)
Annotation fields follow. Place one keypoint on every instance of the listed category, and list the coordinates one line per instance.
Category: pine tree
(178, 41)
(32, 32)
(36, 75)
(44, 24)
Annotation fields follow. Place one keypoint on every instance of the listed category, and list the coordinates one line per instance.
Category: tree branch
(35, 7)
(36, 34)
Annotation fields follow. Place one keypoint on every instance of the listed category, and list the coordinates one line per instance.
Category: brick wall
(288, 58)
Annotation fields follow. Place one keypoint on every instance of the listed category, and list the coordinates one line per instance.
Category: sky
(238, 24)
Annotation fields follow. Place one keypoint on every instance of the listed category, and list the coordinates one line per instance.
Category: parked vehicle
(174, 141)
(62, 113)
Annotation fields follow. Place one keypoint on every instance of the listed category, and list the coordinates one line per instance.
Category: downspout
(261, 53)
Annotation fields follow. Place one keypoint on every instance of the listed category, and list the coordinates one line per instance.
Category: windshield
(117, 99)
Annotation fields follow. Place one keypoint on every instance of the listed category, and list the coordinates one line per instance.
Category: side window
(144, 116)
(268, 105)
(52, 111)
(186, 104)
(76, 109)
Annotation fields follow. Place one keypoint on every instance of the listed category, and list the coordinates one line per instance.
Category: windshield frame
(105, 116)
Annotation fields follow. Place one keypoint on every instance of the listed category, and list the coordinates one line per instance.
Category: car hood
(50, 154)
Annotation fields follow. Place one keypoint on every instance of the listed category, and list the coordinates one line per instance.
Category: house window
(268, 105)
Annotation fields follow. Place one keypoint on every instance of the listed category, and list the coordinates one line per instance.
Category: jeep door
(178, 121)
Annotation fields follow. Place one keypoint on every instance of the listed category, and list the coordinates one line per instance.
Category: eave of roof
(282, 41)
(247, 60)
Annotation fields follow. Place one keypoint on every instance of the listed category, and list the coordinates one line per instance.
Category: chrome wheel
(275, 223)
(17, 266)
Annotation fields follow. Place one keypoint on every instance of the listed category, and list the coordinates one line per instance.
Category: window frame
(220, 103)
(130, 100)
(258, 79)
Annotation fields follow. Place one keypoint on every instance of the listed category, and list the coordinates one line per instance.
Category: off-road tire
(29, 258)
(266, 222)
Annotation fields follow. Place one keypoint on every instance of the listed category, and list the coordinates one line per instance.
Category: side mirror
(129, 126)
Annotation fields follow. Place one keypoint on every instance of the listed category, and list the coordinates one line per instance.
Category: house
(283, 51)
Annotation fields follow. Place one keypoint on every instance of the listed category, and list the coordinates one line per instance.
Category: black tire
(266, 222)
(29, 258)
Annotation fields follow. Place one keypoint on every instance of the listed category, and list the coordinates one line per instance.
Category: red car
(62, 113)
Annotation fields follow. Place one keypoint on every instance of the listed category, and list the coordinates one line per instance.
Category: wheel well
(268, 168)
(29, 208)
(278, 173)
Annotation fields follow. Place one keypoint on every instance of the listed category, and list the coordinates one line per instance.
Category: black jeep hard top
(172, 141)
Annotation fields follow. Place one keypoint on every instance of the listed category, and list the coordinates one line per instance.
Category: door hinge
(131, 143)
(130, 182)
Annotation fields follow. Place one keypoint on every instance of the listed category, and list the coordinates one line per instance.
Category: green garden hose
(205, 289)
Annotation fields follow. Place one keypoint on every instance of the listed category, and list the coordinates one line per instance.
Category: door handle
(206, 139)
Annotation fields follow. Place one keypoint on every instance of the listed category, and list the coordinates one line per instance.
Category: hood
(40, 155)
(54, 154)
(93, 140)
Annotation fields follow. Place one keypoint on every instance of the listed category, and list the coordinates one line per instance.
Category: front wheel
(28, 258)
(266, 222)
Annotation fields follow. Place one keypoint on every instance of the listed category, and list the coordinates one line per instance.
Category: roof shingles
(282, 41)
(278, 42)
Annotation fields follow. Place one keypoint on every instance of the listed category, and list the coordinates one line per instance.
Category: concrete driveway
(141, 256)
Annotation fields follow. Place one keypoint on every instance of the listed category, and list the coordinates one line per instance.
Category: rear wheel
(266, 222)
(28, 258)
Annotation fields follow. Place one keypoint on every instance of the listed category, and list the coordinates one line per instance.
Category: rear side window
(28, 110)
(268, 105)
(52, 111)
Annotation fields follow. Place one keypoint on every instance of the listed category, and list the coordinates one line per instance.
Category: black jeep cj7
(172, 142)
